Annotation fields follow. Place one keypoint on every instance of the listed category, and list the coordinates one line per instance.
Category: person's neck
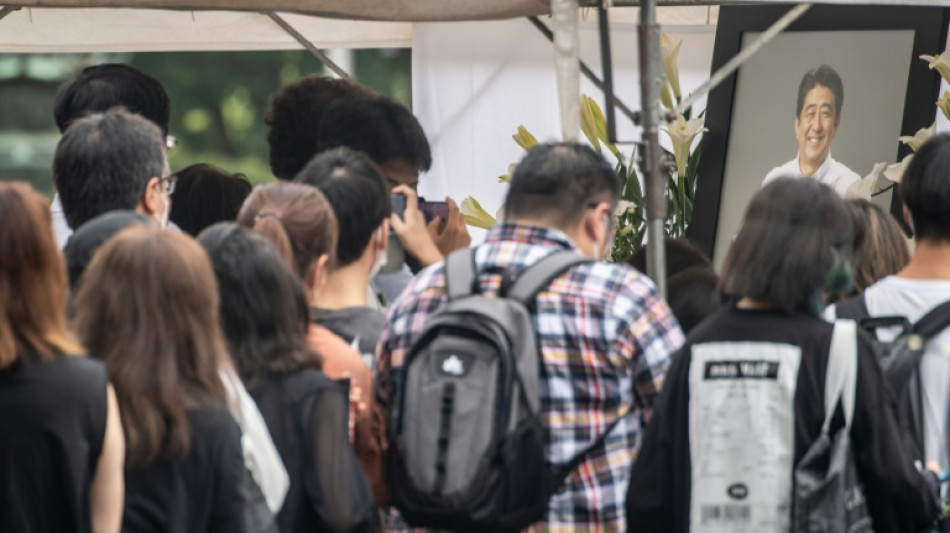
(931, 260)
(345, 287)
(750, 304)
(808, 169)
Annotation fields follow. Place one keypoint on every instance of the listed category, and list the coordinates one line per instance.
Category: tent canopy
(389, 10)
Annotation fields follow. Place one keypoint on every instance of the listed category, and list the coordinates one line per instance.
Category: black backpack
(900, 358)
(466, 443)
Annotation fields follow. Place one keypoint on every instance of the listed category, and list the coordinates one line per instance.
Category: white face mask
(380, 255)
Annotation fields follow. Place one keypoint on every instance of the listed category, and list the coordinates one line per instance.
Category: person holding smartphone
(352, 116)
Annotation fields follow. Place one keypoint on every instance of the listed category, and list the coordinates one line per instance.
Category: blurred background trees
(218, 102)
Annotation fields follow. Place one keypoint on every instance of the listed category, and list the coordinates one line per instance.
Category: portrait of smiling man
(817, 118)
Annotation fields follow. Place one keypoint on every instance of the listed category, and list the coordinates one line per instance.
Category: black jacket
(900, 498)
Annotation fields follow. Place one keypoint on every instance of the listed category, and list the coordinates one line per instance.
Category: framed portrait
(757, 127)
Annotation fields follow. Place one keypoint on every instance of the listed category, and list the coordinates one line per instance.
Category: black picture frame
(930, 37)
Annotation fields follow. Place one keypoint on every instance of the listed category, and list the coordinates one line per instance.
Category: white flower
(624, 207)
(475, 215)
(919, 138)
(670, 48)
(944, 104)
(896, 171)
(940, 62)
(682, 132)
(868, 185)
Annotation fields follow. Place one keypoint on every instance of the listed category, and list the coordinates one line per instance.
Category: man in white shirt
(923, 284)
(820, 99)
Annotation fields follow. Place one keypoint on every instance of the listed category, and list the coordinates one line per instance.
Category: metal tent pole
(316, 52)
(651, 155)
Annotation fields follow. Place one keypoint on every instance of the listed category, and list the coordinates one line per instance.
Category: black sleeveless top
(52, 427)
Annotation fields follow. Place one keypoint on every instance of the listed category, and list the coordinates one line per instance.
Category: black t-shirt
(52, 427)
(899, 498)
(201, 492)
(362, 324)
(306, 414)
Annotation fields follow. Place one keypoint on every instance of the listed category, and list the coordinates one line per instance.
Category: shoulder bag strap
(854, 308)
(841, 375)
(539, 275)
(460, 273)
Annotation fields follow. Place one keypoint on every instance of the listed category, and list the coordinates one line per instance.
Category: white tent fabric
(141, 30)
(42, 30)
(474, 83)
(405, 10)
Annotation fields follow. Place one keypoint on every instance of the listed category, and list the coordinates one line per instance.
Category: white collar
(822, 170)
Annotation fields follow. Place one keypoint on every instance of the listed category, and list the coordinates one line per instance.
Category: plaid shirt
(606, 340)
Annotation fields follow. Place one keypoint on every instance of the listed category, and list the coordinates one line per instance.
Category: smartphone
(399, 204)
(434, 209)
(395, 254)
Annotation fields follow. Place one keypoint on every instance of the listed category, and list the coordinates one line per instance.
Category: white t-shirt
(61, 229)
(831, 172)
(913, 298)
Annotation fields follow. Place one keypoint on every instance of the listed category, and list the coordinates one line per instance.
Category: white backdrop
(474, 83)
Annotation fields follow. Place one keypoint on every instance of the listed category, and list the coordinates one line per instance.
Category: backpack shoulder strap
(935, 321)
(854, 308)
(460, 273)
(540, 274)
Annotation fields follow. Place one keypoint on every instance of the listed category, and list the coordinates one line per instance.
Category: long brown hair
(880, 248)
(32, 279)
(148, 307)
(298, 219)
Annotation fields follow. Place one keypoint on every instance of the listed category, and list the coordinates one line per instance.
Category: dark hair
(558, 181)
(85, 242)
(680, 255)
(880, 249)
(206, 194)
(825, 76)
(793, 247)
(148, 307)
(378, 126)
(353, 186)
(264, 311)
(104, 162)
(693, 294)
(293, 119)
(32, 279)
(298, 219)
(925, 189)
(101, 87)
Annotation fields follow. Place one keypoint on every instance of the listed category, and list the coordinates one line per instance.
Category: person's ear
(383, 236)
(153, 200)
(319, 274)
(597, 224)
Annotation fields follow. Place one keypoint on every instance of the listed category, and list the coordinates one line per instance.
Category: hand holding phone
(431, 210)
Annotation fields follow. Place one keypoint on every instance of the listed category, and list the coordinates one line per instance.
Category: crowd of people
(183, 352)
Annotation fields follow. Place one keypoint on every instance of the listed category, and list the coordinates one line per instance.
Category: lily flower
(896, 171)
(594, 125)
(682, 132)
(524, 138)
(475, 215)
(868, 185)
(919, 138)
(944, 104)
(506, 177)
(940, 62)
(670, 48)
